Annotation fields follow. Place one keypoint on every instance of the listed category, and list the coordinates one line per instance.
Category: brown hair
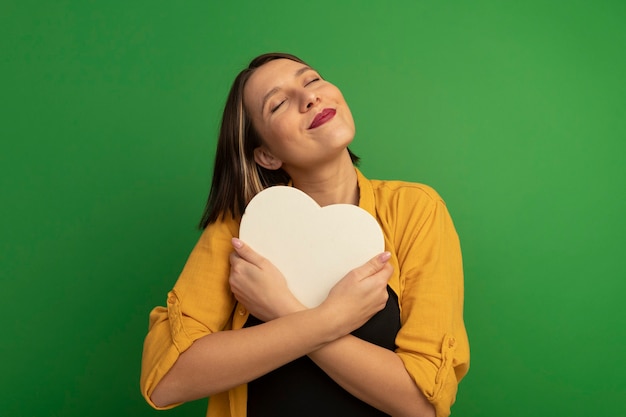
(236, 176)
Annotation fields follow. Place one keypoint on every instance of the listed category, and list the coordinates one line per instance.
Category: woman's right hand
(259, 285)
(360, 294)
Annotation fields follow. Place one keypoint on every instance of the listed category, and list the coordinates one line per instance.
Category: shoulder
(405, 199)
(382, 192)
(403, 206)
(398, 202)
(412, 190)
(222, 230)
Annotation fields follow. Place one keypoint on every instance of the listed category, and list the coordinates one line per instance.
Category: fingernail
(384, 257)
(238, 244)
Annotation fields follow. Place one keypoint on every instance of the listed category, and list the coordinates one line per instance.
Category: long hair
(236, 176)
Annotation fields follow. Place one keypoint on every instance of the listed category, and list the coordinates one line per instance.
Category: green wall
(513, 111)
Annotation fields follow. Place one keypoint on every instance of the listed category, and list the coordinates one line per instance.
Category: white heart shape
(313, 246)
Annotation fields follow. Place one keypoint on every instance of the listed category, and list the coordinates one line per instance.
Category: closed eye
(273, 109)
(312, 81)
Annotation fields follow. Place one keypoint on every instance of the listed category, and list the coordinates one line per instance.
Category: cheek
(276, 137)
(347, 112)
(284, 129)
(348, 120)
(336, 93)
(269, 131)
(349, 117)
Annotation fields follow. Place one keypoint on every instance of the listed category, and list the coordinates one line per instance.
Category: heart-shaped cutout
(313, 246)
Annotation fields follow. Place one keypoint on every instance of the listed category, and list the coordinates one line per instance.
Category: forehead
(268, 76)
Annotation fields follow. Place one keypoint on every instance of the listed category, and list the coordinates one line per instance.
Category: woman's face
(302, 119)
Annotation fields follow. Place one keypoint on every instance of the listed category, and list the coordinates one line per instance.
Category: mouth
(322, 117)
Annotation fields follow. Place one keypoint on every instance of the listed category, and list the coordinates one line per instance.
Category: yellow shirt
(428, 279)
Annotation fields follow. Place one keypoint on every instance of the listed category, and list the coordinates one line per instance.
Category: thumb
(375, 264)
(246, 252)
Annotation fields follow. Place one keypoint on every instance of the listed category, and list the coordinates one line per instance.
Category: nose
(309, 100)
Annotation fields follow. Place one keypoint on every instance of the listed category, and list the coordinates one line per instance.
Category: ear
(264, 158)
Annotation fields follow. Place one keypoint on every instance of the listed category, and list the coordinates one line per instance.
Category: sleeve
(199, 304)
(432, 341)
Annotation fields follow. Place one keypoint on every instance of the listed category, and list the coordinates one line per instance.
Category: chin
(346, 139)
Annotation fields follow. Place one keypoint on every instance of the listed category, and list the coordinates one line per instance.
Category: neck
(332, 184)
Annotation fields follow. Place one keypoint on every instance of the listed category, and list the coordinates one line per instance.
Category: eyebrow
(276, 89)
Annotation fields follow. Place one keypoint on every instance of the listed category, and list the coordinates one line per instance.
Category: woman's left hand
(259, 285)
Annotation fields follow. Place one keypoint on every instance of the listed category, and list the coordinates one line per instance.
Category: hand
(259, 285)
(361, 293)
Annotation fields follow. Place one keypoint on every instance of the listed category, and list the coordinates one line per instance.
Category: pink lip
(322, 117)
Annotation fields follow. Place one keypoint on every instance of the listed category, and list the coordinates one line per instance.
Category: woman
(388, 340)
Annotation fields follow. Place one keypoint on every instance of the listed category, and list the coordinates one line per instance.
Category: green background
(513, 111)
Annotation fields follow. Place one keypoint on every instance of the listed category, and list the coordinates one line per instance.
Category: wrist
(290, 306)
(333, 321)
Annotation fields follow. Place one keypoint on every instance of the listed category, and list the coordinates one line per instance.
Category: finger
(384, 274)
(233, 257)
(374, 265)
(246, 252)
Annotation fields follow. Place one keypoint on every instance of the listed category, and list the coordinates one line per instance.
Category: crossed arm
(223, 360)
